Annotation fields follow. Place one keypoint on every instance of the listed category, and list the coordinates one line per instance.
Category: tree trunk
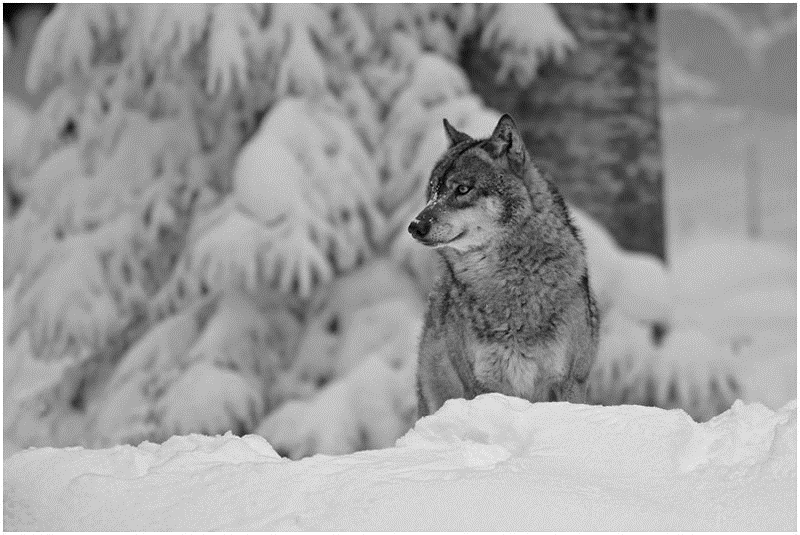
(593, 121)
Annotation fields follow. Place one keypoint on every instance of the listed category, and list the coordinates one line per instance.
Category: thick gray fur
(512, 311)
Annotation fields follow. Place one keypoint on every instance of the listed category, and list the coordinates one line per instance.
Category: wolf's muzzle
(419, 228)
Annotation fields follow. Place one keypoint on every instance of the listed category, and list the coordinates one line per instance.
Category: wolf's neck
(516, 254)
(517, 286)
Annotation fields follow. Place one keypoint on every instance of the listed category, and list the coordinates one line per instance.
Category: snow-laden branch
(525, 35)
(293, 31)
(335, 331)
(65, 299)
(304, 190)
(65, 43)
(222, 354)
(159, 32)
(232, 26)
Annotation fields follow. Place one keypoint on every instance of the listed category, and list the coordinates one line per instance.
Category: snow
(16, 118)
(509, 31)
(743, 294)
(492, 463)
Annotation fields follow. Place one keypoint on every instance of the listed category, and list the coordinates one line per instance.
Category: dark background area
(593, 120)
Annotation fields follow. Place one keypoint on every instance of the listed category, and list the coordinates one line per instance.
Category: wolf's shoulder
(541, 177)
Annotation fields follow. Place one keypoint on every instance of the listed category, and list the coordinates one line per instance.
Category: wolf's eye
(463, 189)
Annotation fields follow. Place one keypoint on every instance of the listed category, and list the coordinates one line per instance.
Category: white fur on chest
(522, 372)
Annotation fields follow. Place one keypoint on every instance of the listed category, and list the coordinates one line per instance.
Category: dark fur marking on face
(510, 206)
(442, 169)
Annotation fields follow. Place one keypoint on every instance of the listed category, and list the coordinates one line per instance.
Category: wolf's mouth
(433, 243)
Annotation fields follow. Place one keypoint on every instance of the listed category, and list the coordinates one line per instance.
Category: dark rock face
(593, 121)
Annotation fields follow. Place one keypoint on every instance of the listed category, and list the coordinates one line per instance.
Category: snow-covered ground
(493, 463)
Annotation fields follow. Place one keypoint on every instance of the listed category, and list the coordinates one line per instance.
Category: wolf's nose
(419, 228)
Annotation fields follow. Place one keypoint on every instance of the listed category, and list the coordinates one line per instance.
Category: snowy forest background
(204, 206)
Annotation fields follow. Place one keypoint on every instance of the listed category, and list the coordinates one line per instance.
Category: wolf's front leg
(572, 390)
(423, 409)
(437, 378)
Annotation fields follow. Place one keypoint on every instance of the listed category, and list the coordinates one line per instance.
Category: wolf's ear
(507, 141)
(455, 136)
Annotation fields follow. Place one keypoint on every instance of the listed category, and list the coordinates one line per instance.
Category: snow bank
(493, 463)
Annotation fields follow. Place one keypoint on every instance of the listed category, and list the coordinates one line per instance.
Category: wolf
(511, 311)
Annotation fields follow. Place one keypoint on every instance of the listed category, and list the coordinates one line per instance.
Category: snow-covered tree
(214, 199)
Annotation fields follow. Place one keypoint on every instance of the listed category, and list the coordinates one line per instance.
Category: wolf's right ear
(455, 136)
(507, 141)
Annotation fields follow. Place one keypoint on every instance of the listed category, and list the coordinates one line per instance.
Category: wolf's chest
(526, 372)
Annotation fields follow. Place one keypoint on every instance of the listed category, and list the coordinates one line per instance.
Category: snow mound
(492, 463)
(741, 437)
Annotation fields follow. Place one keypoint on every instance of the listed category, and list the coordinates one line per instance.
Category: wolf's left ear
(507, 141)
(454, 135)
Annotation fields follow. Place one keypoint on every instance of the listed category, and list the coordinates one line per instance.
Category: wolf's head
(476, 191)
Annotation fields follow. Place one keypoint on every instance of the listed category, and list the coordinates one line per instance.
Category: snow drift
(492, 463)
